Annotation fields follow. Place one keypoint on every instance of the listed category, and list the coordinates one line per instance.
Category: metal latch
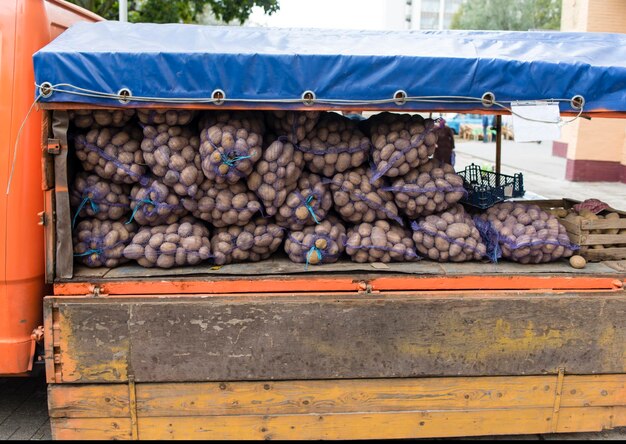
(42, 218)
(54, 146)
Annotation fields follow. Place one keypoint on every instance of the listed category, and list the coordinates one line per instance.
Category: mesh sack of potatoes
(92, 196)
(380, 241)
(172, 153)
(87, 118)
(317, 244)
(528, 234)
(430, 188)
(253, 242)
(401, 142)
(295, 125)
(357, 200)
(101, 243)
(450, 236)
(165, 246)
(230, 145)
(334, 145)
(155, 204)
(223, 205)
(276, 174)
(171, 117)
(113, 153)
(307, 205)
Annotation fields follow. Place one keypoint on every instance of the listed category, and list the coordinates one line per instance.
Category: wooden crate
(583, 233)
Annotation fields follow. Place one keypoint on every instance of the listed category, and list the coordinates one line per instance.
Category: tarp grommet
(46, 89)
(577, 102)
(399, 97)
(218, 96)
(308, 97)
(124, 95)
(488, 99)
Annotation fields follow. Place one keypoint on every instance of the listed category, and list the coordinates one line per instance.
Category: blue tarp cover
(190, 62)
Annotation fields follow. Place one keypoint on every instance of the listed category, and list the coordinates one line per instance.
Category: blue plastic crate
(487, 188)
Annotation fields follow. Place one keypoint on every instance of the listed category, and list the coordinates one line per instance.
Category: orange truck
(268, 350)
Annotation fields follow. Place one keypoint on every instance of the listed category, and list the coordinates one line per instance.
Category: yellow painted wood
(90, 428)
(340, 396)
(88, 401)
(594, 390)
(391, 425)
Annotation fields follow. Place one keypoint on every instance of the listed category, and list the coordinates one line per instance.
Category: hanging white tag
(536, 121)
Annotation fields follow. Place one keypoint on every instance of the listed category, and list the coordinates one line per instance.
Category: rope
(312, 250)
(232, 161)
(307, 204)
(88, 252)
(139, 204)
(94, 208)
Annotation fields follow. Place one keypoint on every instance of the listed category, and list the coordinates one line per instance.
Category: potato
(295, 125)
(170, 117)
(100, 243)
(431, 188)
(165, 246)
(544, 239)
(230, 145)
(155, 204)
(86, 118)
(92, 196)
(357, 199)
(380, 242)
(172, 153)
(276, 174)
(401, 142)
(449, 237)
(113, 154)
(307, 205)
(334, 145)
(577, 261)
(322, 243)
(223, 205)
(252, 242)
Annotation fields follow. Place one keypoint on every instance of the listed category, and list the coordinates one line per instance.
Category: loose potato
(276, 174)
(317, 244)
(223, 205)
(307, 205)
(528, 234)
(230, 145)
(380, 241)
(172, 153)
(165, 246)
(86, 118)
(449, 237)
(334, 145)
(113, 154)
(155, 204)
(401, 142)
(100, 243)
(357, 199)
(252, 242)
(295, 125)
(577, 261)
(92, 196)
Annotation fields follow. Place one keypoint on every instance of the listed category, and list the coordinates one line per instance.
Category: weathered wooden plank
(593, 390)
(88, 401)
(603, 224)
(602, 239)
(325, 337)
(390, 425)
(94, 342)
(343, 396)
(605, 254)
(90, 428)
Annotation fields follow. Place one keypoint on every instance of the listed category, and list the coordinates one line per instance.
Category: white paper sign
(536, 121)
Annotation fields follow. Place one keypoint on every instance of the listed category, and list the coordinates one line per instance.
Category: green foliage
(519, 15)
(179, 11)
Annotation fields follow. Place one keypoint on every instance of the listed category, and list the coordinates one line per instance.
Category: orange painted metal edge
(341, 284)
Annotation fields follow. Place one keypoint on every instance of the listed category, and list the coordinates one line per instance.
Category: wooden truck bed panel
(328, 336)
(335, 409)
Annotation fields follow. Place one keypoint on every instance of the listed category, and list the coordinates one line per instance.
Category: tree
(520, 15)
(177, 11)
